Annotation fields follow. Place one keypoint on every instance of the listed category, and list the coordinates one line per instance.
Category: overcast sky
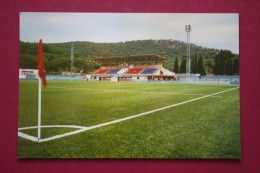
(220, 31)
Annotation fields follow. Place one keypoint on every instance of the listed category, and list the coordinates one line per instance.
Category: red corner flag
(40, 66)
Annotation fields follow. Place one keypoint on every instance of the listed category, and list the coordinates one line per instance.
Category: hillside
(57, 55)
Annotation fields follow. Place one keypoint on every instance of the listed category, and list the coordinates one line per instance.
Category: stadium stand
(28, 74)
(130, 68)
(134, 71)
(113, 71)
(102, 71)
(30, 77)
(148, 71)
(122, 71)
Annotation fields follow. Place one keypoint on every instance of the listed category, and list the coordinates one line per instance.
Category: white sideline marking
(23, 135)
(32, 138)
(63, 135)
(82, 128)
(48, 126)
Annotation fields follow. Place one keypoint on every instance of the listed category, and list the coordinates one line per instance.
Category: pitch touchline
(159, 109)
(47, 126)
(82, 129)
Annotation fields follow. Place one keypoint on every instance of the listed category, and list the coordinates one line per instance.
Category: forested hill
(57, 55)
(164, 48)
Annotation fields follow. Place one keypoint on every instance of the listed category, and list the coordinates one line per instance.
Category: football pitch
(83, 119)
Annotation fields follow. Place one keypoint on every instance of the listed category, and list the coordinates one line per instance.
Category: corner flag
(40, 66)
(42, 77)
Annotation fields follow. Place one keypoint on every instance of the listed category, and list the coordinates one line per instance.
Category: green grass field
(204, 128)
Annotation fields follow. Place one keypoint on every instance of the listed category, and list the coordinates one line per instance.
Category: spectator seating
(30, 77)
(148, 71)
(112, 71)
(122, 71)
(102, 71)
(134, 71)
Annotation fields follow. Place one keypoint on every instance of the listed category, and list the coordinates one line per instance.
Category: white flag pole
(39, 108)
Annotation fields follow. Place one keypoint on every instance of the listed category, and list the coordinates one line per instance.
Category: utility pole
(188, 30)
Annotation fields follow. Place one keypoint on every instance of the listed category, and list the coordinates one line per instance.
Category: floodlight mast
(188, 30)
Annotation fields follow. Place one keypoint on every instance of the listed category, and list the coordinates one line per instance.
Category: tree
(221, 60)
(96, 66)
(195, 64)
(209, 63)
(192, 66)
(28, 61)
(201, 70)
(236, 66)
(46, 48)
(183, 65)
(79, 64)
(176, 65)
(229, 67)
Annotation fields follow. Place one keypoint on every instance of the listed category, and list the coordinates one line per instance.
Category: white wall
(114, 79)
